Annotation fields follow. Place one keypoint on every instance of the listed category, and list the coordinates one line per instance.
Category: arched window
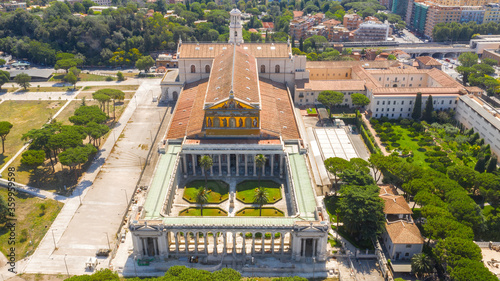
(277, 69)
(207, 68)
(262, 69)
(193, 69)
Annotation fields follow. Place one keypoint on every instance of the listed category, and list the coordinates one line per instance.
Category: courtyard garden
(207, 212)
(246, 190)
(435, 145)
(255, 212)
(217, 191)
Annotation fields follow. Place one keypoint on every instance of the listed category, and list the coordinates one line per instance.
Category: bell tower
(235, 28)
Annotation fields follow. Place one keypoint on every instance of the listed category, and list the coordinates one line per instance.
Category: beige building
(402, 237)
(441, 14)
(427, 62)
(371, 31)
(491, 13)
(352, 21)
(491, 54)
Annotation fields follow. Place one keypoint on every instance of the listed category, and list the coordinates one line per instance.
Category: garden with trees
(451, 179)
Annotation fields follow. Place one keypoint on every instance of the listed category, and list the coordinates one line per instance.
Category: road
(81, 229)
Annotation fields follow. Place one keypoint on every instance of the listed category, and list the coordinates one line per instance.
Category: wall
(402, 105)
(405, 253)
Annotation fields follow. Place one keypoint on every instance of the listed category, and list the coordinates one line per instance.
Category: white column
(264, 170)
(272, 164)
(228, 160)
(167, 244)
(254, 169)
(224, 251)
(215, 244)
(281, 165)
(237, 164)
(155, 246)
(202, 171)
(263, 244)
(246, 165)
(195, 162)
(176, 236)
(272, 243)
(220, 165)
(184, 162)
(243, 249)
(212, 170)
(282, 243)
(315, 243)
(144, 246)
(205, 235)
(303, 253)
(196, 242)
(234, 244)
(253, 244)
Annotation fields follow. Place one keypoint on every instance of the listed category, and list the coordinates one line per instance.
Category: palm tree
(260, 161)
(261, 197)
(421, 264)
(201, 198)
(206, 163)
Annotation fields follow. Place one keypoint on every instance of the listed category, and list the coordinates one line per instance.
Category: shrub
(405, 122)
(109, 78)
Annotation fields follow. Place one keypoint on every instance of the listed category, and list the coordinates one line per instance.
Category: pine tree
(417, 109)
(492, 164)
(480, 165)
(429, 108)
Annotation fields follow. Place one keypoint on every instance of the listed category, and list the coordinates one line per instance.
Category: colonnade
(224, 164)
(178, 243)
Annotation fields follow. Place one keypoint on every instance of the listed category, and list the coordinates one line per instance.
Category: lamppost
(107, 238)
(54, 239)
(67, 271)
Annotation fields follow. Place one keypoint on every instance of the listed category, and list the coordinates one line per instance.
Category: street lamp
(126, 196)
(67, 271)
(54, 239)
(107, 238)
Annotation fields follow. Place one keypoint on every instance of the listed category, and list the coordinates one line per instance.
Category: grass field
(312, 110)
(245, 190)
(24, 115)
(52, 89)
(34, 217)
(82, 77)
(8, 89)
(88, 94)
(207, 212)
(255, 212)
(117, 86)
(218, 191)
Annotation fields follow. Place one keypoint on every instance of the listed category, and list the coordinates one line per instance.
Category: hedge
(368, 141)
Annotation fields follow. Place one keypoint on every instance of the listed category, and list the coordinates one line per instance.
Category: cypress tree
(480, 165)
(417, 109)
(301, 44)
(429, 108)
(293, 41)
(492, 164)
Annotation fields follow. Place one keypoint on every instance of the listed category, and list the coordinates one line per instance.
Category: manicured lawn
(255, 212)
(88, 94)
(207, 212)
(82, 77)
(116, 86)
(52, 89)
(312, 111)
(245, 190)
(218, 191)
(24, 115)
(34, 217)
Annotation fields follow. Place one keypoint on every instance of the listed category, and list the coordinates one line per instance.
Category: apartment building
(491, 54)
(474, 112)
(299, 28)
(371, 31)
(441, 14)
(472, 13)
(14, 5)
(491, 13)
(352, 21)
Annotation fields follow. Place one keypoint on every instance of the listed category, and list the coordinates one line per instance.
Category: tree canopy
(5, 127)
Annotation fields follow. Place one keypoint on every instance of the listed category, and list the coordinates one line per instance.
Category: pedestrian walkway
(374, 134)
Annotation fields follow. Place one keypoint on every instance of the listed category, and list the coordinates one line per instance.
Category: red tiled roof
(268, 25)
(404, 233)
(233, 70)
(297, 14)
(211, 50)
(426, 60)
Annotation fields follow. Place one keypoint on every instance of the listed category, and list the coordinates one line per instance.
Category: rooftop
(211, 50)
(427, 60)
(404, 233)
(323, 85)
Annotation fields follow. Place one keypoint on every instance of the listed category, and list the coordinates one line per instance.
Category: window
(383, 102)
(455, 101)
(346, 74)
(411, 85)
(442, 102)
(378, 102)
(403, 78)
(407, 254)
(450, 101)
(376, 115)
(376, 109)
(236, 34)
(207, 68)
(263, 69)
(434, 101)
(395, 85)
(411, 78)
(403, 85)
(345, 100)
(408, 245)
(380, 79)
(388, 102)
(393, 109)
(411, 102)
(193, 69)
(392, 115)
(401, 109)
(402, 102)
(420, 78)
(382, 110)
(277, 69)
